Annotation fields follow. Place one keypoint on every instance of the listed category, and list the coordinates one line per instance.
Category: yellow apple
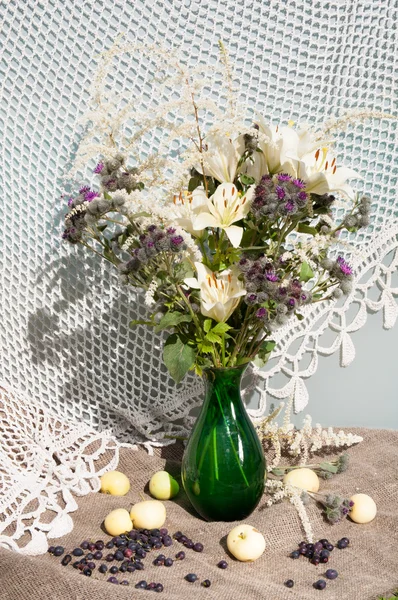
(163, 486)
(149, 514)
(115, 483)
(364, 509)
(303, 478)
(246, 543)
(118, 521)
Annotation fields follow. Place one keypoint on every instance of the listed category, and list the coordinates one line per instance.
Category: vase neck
(223, 385)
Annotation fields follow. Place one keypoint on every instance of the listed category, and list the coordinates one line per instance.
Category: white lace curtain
(69, 365)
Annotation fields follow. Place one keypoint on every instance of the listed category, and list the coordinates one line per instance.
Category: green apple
(115, 483)
(149, 514)
(118, 521)
(163, 486)
(246, 543)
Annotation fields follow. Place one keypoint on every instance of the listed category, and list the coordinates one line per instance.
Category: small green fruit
(163, 486)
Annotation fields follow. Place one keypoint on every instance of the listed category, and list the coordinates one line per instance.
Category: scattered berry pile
(127, 553)
(318, 553)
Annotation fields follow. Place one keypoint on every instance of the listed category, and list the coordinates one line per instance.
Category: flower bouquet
(228, 240)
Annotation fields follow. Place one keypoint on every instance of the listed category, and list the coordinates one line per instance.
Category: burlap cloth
(367, 568)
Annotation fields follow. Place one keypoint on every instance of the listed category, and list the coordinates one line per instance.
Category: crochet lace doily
(75, 381)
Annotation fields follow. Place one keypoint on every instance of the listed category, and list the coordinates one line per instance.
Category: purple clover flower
(299, 183)
(344, 266)
(284, 177)
(289, 206)
(90, 195)
(272, 276)
(99, 167)
(177, 240)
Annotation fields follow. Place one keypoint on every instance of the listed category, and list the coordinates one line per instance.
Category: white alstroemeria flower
(275, 155)
(225, 207)
(187, 206)
(219, 294)
(322, 175)
(222, 156)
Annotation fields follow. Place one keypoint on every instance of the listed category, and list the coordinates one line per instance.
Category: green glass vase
(223, 467)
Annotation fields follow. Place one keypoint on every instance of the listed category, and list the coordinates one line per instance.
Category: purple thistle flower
(70, 201)
(266, 179)
(344, 266)
(150, 244)
(291, 302)
(170, 230)
(177, 240)
(99, 167)
(152, 228)
(284, 177)
(289, 206)
(89, 196)
(302, 196)
(304, 297)
(261, 313)
(272, 276)
(282, 291)
(84, 189)
(299, 183)
(280, 192)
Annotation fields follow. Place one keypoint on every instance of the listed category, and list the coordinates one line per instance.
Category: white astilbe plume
(150, 293)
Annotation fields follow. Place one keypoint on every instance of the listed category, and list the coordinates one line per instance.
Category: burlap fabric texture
(367, 568)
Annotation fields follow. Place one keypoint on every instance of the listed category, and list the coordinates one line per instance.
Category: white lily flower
(219, 294)
(188, 205)
(322, 175)
(222, 156)
(225, 207)
(275, 155)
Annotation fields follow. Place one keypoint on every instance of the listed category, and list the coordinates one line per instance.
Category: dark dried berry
(191, 577)
(109, 557)
(112, 580)
(168, 562)
(87, 572)
(124, 582)
(66, 560)
(84, 545)
(320, 584)
(158, 588)
(98, 555)
(114, 570)
(222, 564)
(102, 569)
(198, 547)
(141, 584)
(177, 535)
(206, 583)
(289, 583)
(162, 531)
(331, 574)
(180, 555)
(58, 550)
(295, 554)
(51, 549)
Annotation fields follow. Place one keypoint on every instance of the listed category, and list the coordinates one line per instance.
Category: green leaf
(264, 353)
(299, 316)
(178, 357)
(107, 196)
(328, 467)
(303, 228)
(221, 328)
(141, 322)
(171, 319)
(213, 337)
(207, 325)
(205, 346)
(194, 182)
(102, 227)
(278, 472)
(246, 180)
(306, 273)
